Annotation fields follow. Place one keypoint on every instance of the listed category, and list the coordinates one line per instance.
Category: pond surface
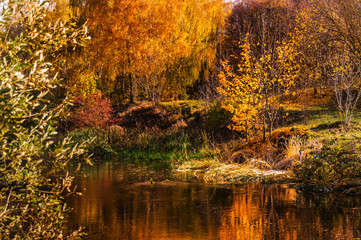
(117, 204)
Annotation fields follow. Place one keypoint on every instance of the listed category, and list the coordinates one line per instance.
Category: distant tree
(344, 75)
(310, 48)
(266, 21)
(337, 30)
(203, 23)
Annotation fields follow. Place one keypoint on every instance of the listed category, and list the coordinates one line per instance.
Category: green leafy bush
(32, 162)
(330, 166)
(218, 117)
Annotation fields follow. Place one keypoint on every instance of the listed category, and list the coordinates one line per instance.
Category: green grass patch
(149, 146)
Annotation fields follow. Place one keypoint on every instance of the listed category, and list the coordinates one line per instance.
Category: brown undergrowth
(283, 149)
(255, 161)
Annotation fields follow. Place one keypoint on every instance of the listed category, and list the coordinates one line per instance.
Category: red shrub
(94, 110)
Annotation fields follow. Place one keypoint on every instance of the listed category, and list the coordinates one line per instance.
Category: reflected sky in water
(117, 204)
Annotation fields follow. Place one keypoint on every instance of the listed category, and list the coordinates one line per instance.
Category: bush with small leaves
(218, 117)
(32, 163)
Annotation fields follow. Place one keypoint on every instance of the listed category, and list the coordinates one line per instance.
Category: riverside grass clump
(33, 179)
(164, 132)
(215, 171)
(99, 138)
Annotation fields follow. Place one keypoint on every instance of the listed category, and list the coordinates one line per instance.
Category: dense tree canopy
(150, 49)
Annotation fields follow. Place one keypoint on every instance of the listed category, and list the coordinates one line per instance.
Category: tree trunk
(246, 131)
(131, 91)
(270, 128)
(123, 89)
(264, 127)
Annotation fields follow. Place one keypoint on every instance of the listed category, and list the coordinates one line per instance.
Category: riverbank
(221, 173)
(309, 147)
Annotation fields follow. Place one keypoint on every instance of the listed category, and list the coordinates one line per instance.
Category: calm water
(116, 205)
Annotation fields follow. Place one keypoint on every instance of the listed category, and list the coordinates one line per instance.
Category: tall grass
(99, 137)
(293, 153)
(150, 145)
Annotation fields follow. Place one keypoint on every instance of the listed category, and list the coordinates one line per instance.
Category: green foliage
(32, 161)
(218, 117)
(151, 145)
(330, 166)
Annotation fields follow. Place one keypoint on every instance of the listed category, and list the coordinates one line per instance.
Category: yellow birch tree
(253, 93)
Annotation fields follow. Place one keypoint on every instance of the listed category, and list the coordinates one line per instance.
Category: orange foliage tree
(141, 48)
(241, 94)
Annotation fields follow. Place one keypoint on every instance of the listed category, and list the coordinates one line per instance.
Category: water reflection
(115, 206)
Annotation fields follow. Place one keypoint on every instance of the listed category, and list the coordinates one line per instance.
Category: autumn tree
(266, 21)
(253, 93)
(260, 50)
(203, 23)
(59, 10)
(150, 48)
(241, 94)
(310, 82)
(123, 33)
(264, 67)
(336, 33)
(165, 43)
(344, 75)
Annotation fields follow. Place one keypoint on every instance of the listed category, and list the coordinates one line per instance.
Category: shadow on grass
(324, 126)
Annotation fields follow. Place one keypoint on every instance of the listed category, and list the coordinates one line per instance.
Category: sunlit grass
(213, 171)
(307, 99)
(191, 103)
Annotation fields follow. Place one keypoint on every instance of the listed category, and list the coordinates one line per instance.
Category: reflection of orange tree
(270, 213)
(88, 207)
(170, 213)
(253, 215)
(184, 211)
